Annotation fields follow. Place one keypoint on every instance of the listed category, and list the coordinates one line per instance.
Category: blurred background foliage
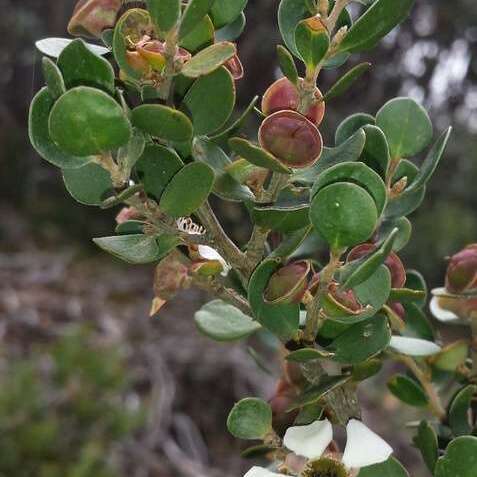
(77, 394)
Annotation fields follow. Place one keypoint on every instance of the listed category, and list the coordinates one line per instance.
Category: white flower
(209, 253)
(261, 472)
(440, 313)
(414, 346)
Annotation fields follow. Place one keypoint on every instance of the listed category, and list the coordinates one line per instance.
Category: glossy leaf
(417, 323)
(250, 418)
(426, 441)
(194, 13)
(352, 124)
(256, 155)
(187, 190)
(164, 13)
(460, 458)
(375, 23)
(404, 228)
(162, 122)
(223, 322)
(53, 78)
(87, 121)
(290, 13)
(200, 37)
(287, 64)
(210, 101)
(224, 12)
(408, 391)
(312, 41)
(281, 320)
(156, 168)
(53, 47)
(375, 290)
(209, 59)
(233, 30)
(362, 341)
(81, 67)
(89, 185)
(407, 127)
(40, 135)
(344, 214)
(346, 81)
(281, 219)
(390, 468)
(459, 420)
(376, 150)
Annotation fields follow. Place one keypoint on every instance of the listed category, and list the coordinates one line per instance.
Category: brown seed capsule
(234, 65)
(393, 262)
(462, 271)
(91, 17)
(283, 95)
(291, 138)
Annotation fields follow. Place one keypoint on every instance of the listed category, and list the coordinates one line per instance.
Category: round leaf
(460, 459)
(290, 13)
(408, 391)
(352, 124)
(187, 190)
(210, 101)
(40, 135)
(162, 122)
(233, 30)
(53, 78)
(344, 214)
(223, 322)
(209, 59)
(406, 125)
(459, 411)
(164, 13)
(87, 121)
(200, 37)
(282, 219)
(194, 13)
(226, 11)
(390, 468)
(251, 418)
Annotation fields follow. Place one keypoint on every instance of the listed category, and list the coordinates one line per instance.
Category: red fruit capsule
(291, 138)
(462, 271)
(283, 95)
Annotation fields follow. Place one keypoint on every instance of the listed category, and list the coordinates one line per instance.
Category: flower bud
(339, 303)
(234, 65)
(153, 53)
(283, 95)
(291, 138)
(393, 262)
(91, 17)
(138, 63)
(126, 214)
(288, 284)
(462, 271)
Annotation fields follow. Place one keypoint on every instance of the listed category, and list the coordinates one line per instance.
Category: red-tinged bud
(283, 95)
(393, 262)
(246, 173)
(126, 214)
(288, 284)
(91, 17)
(398, 309)
(171, 276)
(291, 138)
(138, 63)
(234, 65)
(462, 271)
(152, 52)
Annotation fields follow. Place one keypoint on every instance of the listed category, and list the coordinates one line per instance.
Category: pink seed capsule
(91, 17)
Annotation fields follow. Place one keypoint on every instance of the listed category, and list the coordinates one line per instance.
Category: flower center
(325, 467)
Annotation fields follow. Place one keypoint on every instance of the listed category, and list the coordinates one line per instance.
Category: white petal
(440, 314)
(209, 253)
(309, 441)
(414, 346)
(364, 447)
(261, 472)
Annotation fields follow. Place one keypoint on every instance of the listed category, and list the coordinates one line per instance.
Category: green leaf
(226, 11)
(130, 227)
(408, 390)
(362, 341)
(256, 155)
(345, 82)
(250, 418)
(312, 41)
(223, 322)
(200, 37)
(417, 324)
(291, 243)
(162, 122)
(53, 47)
(404, 227)
(344, 214)
(209, 59)
(452, 356)
(356, 173)
(407, 127)
(290, 13)
(352, 124)
(390, 468)
(129, 154)
(366, 369)
(89, 185)
(426, 441)
(287, 64)
(233, 30)
(53, 78)
(81, 67)
(40, 135)
(225, 186)
(415, 281)
(375, 290)
(430, 164)
(348, 151)
(194, 13)
(282, 219)
(376, 23)
(459, 411)
(376, 150)
(371, 263)
(156, 168)
(460, 459)
(187, 190)
(281, 320)
(316, 392)
(164, 13)
(86, 121)
(307, 354)
(137, 249)
(406, 295)
(210, 101)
